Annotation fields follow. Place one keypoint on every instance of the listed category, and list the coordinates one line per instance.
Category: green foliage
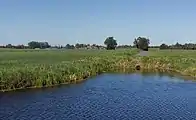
(68, 46)
(111, 43)
(124, 46)
(9, 45)
(164, 46)
(186, 46)
(141, 43)
(41, 45)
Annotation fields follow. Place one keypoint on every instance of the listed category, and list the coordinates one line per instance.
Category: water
(106, 97)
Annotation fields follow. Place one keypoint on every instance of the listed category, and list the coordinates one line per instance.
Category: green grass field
(51, 56)
(41, 68)
(173, 53)
(37, 68)
(20, 58)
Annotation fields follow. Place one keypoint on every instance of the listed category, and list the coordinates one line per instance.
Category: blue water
(105, 97)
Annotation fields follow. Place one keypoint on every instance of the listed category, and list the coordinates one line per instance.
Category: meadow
(41, 68)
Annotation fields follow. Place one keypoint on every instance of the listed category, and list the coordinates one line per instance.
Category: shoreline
(85, 69)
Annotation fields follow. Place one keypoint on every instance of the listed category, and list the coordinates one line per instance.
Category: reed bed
(19, 74)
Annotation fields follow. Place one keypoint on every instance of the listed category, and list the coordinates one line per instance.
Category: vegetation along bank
(32, 68)
(36, 70)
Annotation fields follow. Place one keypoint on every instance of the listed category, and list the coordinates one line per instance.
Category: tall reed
(16, 76)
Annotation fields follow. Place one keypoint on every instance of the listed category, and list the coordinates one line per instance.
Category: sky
(92, 21)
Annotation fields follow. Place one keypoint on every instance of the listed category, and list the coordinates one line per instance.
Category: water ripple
(107, 97)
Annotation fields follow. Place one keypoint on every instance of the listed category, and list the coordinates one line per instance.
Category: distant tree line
(88, 46)
(45, 45)
(124, 46)
(186, 46)
(110, 43)
(14, 46)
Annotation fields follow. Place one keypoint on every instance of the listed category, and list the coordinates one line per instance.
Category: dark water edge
(125, 71)
(108, 96)
(147, 72)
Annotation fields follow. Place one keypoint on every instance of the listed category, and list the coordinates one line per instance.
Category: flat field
(173, 53)
(52, 56)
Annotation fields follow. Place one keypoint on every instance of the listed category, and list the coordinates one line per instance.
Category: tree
(136, 43)
(44, 45)
(9, 46)
(35, 44)
(124, 46)
(77, 45)
(68, 46)
(141, 43)
(20, 47)
(111, 43)
(164, 46)
(72, 46)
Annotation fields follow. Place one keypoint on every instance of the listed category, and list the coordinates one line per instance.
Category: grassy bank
(39, 68)
(47, 68)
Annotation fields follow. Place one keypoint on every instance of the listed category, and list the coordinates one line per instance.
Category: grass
(41, 68)
(173, 53)
(183, 61)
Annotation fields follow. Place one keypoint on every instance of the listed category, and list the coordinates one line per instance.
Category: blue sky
(91, 21)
